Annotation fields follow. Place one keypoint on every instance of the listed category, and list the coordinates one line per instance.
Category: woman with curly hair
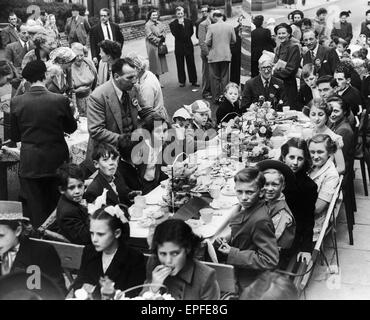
(173, 265)
(44, 42)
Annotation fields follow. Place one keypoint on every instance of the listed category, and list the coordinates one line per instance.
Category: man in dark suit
(182, 29)
(105, 30)
(261, 40)
(350, 95)
(10, 34)
(14, 52)
(265, 85)
(39, 119)
(324, 59)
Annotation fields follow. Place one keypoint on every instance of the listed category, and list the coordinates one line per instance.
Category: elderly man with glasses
(265, 85)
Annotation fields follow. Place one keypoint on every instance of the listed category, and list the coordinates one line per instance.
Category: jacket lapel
(114, 104)
(111, 195)
(118, 264)
(23, 258)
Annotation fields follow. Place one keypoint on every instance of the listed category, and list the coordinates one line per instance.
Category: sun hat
(279, 166)
(11, 211)
(183, 113)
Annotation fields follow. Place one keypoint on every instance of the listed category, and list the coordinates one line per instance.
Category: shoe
(182, 85)
(195, 85)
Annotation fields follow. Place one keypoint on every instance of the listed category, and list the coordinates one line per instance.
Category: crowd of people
(281, 203)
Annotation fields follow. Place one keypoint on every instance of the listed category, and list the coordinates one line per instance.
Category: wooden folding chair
(225, 275)
(304, 270)
(70, 256)
(328, 228)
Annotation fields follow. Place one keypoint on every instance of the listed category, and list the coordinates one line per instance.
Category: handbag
(162, 49)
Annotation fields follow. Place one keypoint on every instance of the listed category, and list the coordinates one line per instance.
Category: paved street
(353, 281)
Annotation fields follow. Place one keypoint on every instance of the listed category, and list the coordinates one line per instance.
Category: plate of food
(228, 190)
(221, 204)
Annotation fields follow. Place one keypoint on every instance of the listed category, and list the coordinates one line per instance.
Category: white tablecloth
(77, 142)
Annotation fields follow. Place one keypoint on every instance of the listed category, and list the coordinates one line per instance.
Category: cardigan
(126, 270)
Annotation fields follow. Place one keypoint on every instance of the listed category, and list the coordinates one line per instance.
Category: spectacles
(104, 15)
(204, 11)
(266, 68)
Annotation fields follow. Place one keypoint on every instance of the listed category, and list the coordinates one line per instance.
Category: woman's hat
(279, 166)
(11, 210)
(344, 13)
(283, 25)
(183, 113)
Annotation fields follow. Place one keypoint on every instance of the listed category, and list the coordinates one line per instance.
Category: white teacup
(206, 215)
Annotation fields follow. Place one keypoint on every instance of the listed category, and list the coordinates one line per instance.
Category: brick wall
(136, 29)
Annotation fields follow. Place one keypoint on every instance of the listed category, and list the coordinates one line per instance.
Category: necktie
(312, 56)
(266, 89)
(7, 261)
(108, 33)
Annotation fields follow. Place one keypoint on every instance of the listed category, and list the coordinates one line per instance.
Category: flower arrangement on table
(181, 181)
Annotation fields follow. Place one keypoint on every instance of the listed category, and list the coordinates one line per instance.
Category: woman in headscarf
(62, 82)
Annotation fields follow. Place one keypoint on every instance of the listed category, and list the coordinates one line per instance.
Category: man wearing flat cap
(39, 119)
(265, 84)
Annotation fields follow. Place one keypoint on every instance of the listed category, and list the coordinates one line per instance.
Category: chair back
(330, 216)
(70, 254)
(225, 275)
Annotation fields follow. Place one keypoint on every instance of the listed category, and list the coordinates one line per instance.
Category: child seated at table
(319, 115)
(181, 118)
(252, 246)
(276, 173)
(109, 255)
(201, 115)
(105, 158)
(308, 89)
(18, 252)
(229, 106)
(173, 264)
(148, 155)
(202, 124)
(72, 218)
(324, 174)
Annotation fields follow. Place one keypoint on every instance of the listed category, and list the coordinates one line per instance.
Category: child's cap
(183, 113)
(200, 106)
